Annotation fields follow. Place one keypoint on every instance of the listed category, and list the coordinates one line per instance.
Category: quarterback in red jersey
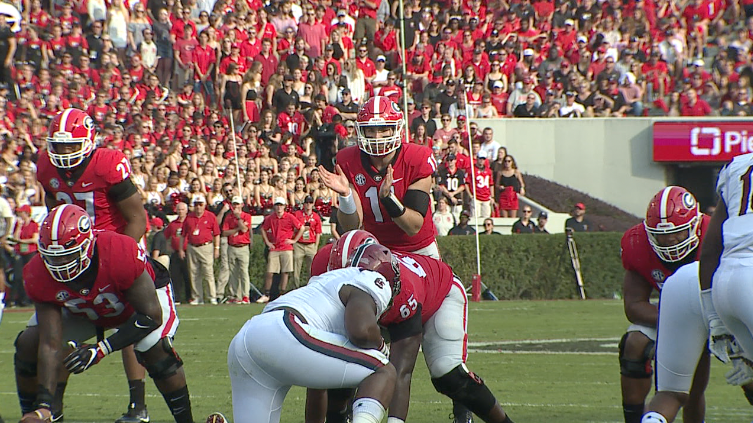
(73, 171)
(391, 181)
(667, 239)
(85, 281)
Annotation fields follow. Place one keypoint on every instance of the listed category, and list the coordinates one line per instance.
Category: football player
(383, 184)
(324, 334)
(725, 262)
(73, 171)
(83, 282)
(667, 239)
(682, 338)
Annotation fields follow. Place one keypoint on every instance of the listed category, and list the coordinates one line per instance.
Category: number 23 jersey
(734, 187)
(119, 262)
(88, 185)
(411, 163)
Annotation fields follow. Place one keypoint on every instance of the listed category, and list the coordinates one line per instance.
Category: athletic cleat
(217, 418)
(57, 416)
(460, 414)
(134, 416)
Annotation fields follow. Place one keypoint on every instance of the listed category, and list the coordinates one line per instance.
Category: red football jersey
(105, 169)
(412, 162)
(638, 256)
(424, 281)
(120, 262)
(481, 184)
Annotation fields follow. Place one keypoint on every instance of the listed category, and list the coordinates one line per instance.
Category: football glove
(384, 349)
(719, 336)
(83, 357)
(742, 372)
(40, 415)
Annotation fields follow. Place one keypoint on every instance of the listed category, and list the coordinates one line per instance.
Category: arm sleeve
(122, 190)
(406, 328)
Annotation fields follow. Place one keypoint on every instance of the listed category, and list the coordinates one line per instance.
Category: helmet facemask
(68, 160)
(66, 263)
(680, 250)
(380, 146)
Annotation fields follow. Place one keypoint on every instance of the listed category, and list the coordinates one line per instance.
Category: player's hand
(386, 187)
(337, 182)
(384, 349)
(720, 339)
(742, 372)
(82, 357)
(36, 416)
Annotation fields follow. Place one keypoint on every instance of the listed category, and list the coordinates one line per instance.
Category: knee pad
(165, 368)
(466, 388)
(24, 368)
(636, 368)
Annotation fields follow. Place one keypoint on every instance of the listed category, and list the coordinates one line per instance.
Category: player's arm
(405, 342)
(50, 321)
(350, 211)
(49, 201)
(711, 249)
(360, 318)
(146, 318)
(636, 297)
(409, 213)
(131, 208)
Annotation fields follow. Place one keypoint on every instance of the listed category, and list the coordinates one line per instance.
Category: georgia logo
(54, 183)
(688, 200)
(360, 179)
(88, 123)
(62, 296)
(378, 178)
(658, 275)
(84, 224)
(395, 108)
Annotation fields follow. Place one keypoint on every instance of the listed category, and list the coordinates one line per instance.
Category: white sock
(653, 417)
(367, 410)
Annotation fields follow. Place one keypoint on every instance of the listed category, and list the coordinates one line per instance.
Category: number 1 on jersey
(745, 201)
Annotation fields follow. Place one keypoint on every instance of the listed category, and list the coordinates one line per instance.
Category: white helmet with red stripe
(70, 138)
(379, 113)
(672, 223)
(66, 242)
(344, 247)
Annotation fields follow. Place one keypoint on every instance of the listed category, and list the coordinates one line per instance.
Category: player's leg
(316, 405)
(298, 255)
(636, 350)
(233, 283)
(136, 374)
(156, 353)
(244, 258)
(682, 360)
(207, 271)
(445, 350)
(224, 275)
(194, 271)
(286, 267)
(731, 292)
(273, 267)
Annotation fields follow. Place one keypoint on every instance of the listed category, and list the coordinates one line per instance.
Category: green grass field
(546, 361)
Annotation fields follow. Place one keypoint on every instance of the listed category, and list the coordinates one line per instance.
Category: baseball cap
(451, 157)
(569, 22)
(570, 93)
(350, 124)
(280, 200)
(528, 52)
(462, 118)
(582, 39)
(698, 62)
(237, 199)
(580, 206)
(308, 199)
(198, 198)
(481, 154)
(543, 215)
(346, 90)
(381, 58)
(341, 12)
(465, 213)
(498, 84)
(23, 208)
(289, 77)
(157, 222)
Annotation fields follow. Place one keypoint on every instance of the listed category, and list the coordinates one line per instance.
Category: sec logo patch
(360, 179)
(658, 275)
(62, 296)
(54, 183)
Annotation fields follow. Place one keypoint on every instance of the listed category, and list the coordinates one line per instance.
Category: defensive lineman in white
(726, 264)
(324, 335)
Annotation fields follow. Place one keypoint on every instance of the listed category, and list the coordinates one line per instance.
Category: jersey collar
(372, 171)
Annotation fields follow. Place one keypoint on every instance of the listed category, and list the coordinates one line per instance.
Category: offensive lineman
(323, 335)
(667, 239)
(85, 281)
(73, 171)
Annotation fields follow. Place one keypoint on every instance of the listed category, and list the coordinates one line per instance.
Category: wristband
(44, 398)
(395, 420)
(347, 203)
(394, 207)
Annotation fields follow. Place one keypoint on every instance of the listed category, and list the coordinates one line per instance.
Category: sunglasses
(526, 211)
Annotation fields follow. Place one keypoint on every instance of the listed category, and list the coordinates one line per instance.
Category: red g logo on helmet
(344, 247)
(672, 222)
(379, 113)
(66, 242)
(70, 138)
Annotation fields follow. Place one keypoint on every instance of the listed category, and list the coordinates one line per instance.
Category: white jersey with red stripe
(319, 302)
(734, 187)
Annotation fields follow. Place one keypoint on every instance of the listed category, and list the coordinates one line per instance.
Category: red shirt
(481, 184)
(240, 238)
(700, 108)
(279, 229)
(314, 226)
(27, 231)
(367, 67)
(269, 66)
(200, 230)
(203, 57)
(174, 232)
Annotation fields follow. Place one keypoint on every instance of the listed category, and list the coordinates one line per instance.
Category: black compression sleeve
(406, 328)
(417, 200)
(136, 328)
(122, 190)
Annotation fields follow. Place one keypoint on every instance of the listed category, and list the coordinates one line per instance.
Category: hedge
(521, 266)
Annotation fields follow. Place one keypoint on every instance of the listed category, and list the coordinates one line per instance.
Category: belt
(239, 245)
(201, 245)
(290, 310)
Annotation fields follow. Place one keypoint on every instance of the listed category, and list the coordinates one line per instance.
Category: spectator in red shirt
(656, 73)
(25, 234)
(184, 48)
(236, 227)
(267, 59)
(391, 90)
(313, 32)
(204, 58)
(305, 249)
(280, 231)
(366, 24)
(366, 65)
(695, 106)
(385, 41)
(201, 233)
